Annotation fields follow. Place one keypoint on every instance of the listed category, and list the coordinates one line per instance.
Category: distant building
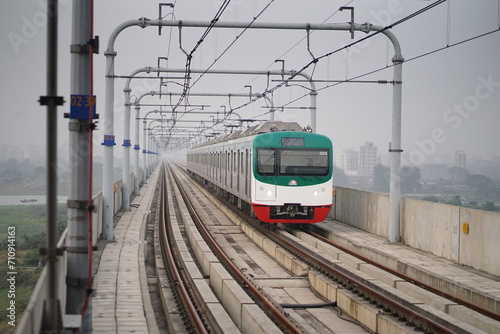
(347, 160)
(460, 158)
(367, 159)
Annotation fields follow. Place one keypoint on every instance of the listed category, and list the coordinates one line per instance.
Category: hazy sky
(451, 98)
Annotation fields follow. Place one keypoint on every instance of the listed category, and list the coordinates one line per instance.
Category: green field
(28, 220)
(30, 235)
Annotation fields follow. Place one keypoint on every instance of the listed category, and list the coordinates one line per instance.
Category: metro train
(274, 171)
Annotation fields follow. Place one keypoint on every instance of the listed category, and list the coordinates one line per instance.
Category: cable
(314, 61)
(231, 44)
(366, 73)
(234, 41)
(189, 57)
(187, 75)
(388, 66)
(302, 39)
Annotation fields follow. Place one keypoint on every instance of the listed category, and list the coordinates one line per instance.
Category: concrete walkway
(121, 303)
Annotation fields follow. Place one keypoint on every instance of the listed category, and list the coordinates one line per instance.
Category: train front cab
(292, 177)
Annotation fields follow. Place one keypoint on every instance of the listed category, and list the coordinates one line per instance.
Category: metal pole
(145, 22)
(393, 230)
(52, 312)
(144, 150)
(126, 152)
(77, 237)
(109, 143)
(137, 149)
(127, 144)
(314, 95)
(153, 93)
(244, 72)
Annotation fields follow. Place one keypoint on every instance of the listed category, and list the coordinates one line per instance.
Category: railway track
(305, 292)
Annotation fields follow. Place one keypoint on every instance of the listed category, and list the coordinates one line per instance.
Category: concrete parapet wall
(363, 209)
(431, 227)
(31, 320)
(480, 247)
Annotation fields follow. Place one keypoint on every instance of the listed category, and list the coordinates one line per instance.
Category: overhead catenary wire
(301, 40)
(169, 44)
(187, 86)
(234, 41)
(389, 66)
(373, 71)
(189, 56)
(314, 61)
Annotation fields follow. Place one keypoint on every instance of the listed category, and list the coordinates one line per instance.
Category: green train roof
(265, 127)
(274, 139)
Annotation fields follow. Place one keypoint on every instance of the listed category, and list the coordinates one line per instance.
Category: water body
(29, 200)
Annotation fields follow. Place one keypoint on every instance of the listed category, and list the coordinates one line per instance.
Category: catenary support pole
(127, 144)
(145, 22)
(137, 149)
(126, 153)
(52, 312)
(144, 150)
(79, 154)
(393, 229)
(158, 93)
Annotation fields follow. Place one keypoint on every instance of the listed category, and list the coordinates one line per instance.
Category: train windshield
(293, 161)
(266, 161)
(306, 162)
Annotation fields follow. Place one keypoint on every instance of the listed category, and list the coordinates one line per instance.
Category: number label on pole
(83, 107)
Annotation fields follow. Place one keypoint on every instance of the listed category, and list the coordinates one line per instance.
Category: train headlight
(269, 193)
(315, 193)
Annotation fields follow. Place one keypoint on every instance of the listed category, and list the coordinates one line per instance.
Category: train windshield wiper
(266, 163)
(261, 169)
(302, 172)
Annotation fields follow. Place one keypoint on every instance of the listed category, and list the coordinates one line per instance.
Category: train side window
(234, 161)
(247, 170)
(241, 164)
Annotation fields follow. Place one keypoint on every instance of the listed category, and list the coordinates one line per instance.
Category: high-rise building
(347, 160)
(367, 159)
(460, 158)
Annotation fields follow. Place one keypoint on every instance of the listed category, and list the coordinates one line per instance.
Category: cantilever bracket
(352, 19)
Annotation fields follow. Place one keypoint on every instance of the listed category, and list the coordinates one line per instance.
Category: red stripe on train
(263, 213)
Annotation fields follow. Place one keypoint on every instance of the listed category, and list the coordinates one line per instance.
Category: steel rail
(171, 264)
(282, 321)
(390, 302)
(410, 279)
